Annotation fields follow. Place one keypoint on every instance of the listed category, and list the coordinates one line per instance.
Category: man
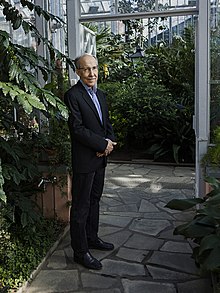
(92, 141)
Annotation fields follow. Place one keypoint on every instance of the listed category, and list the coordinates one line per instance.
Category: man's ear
(78, 72)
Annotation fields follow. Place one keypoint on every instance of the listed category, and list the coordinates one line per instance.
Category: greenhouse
(158, 64)
(173, 17)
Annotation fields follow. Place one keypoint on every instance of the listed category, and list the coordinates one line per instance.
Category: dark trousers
(87, 189)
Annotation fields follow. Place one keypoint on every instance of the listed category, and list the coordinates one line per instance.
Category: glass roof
(95, 7)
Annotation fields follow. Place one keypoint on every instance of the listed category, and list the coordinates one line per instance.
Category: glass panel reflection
(176, 4)
(89, 7)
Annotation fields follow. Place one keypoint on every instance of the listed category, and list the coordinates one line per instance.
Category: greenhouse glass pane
(176, 4)
(89, 7)
(95, 7)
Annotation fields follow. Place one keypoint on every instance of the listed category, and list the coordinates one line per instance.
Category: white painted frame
(202, 69)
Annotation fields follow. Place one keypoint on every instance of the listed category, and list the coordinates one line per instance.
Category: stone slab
(124, 214)
(195, 286)
(97, 281)
(161, 205)
(158, 215)
(148, 226)
(145, 287)
(124, 208)
(130, 196)
(111, 201)
(106, 230)
(115, 220)
(147, 206)
(57, 260)
(132, 254)
(121, 268)
(174, 246)
(69, 252)
(181, 262)
(158, 273)
(55, 281)
(138, 241)
(168, 234)
(127, 182)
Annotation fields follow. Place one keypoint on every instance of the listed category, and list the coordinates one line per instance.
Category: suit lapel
(89, 101)
(102, 105)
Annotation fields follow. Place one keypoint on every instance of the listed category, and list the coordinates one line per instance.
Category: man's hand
(110, 146)
(108, 150)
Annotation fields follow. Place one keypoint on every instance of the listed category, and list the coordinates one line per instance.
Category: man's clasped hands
(109, 148)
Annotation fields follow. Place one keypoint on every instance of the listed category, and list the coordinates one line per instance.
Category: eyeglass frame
(88, 69)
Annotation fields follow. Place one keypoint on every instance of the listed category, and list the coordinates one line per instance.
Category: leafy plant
(174, 140)
(2, 193)
(153, 100)
(203, 228)
(142, 106)
(24, 100)
(55, 143)
(174, 65)
(212, 156)
(22, 251)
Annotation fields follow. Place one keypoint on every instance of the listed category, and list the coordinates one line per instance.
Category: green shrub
(138, 108)
(212, 156)
(22, 249)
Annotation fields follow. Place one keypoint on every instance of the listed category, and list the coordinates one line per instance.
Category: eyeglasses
(88, 69)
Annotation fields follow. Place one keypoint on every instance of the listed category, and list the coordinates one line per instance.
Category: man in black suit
(92, 139)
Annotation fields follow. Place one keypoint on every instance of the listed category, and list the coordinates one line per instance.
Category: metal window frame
(202, 69)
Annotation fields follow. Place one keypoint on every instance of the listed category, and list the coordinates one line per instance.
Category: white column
(73, 33)
(43, 28)
(202, 94)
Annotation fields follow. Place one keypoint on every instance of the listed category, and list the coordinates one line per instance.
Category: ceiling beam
(139, 15)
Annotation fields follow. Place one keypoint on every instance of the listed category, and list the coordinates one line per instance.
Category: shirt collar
(94, 89)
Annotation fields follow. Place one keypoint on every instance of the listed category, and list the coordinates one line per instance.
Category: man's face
(88, 70)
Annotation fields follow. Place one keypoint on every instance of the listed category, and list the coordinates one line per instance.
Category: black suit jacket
(87, 132)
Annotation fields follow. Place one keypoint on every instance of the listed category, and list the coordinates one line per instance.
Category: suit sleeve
(82, 134)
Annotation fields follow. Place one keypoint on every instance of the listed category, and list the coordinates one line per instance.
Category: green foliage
(2, 193)
(23, 98)
(18, 81)
(153, 99)
(141, 106)
(22, 251)
(174, 139)
(119, 121)
(20, 179)
(55, 142)
(174, 66)
(212, 156)
(203, 228)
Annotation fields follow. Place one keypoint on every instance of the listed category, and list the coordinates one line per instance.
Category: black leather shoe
(88, 261)
(100, 245)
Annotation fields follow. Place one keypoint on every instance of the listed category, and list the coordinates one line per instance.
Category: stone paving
(147, 257)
